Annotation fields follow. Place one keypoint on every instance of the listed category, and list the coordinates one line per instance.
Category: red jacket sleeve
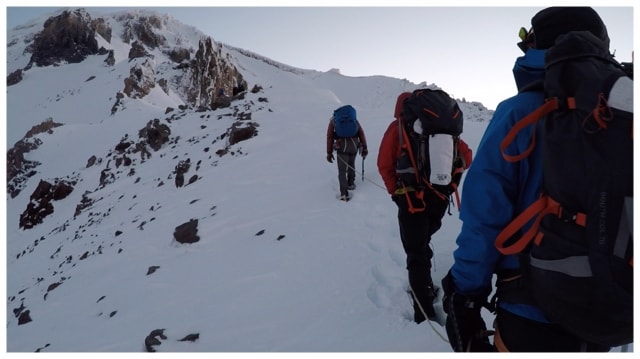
(330, 131)
(465, 153)
(387, 156)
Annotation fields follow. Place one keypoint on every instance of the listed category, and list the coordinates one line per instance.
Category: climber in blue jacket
(494, 192)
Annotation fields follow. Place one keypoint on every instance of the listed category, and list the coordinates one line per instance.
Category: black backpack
(434, 114)
(578, 251)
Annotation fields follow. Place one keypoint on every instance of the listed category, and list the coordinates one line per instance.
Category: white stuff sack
(440, 158)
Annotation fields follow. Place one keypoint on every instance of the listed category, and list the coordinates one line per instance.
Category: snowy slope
(280, 265)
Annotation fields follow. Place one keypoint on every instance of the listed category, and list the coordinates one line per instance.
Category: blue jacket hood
(529, 68)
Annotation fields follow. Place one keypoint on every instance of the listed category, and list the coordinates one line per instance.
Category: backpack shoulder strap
(545, 205)
(530, 119)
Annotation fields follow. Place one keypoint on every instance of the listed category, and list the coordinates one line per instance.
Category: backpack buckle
(575, 217)
(566, 216)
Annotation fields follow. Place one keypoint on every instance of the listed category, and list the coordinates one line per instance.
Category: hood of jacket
(399, 101)
(529, 68)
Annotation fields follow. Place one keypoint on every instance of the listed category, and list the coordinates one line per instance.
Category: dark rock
(179, 180)
(67, 37)
(140, 81)
(61, 190)
(181, 168)
(20, 169)
(122, 146)
(155, 134)
(152, 339)
(152, 269)
(137, 50)
(85, 202)
(256, 89)
(103, 29)
(143, 29)
(190, 338)
(14, 77)
(24, 317)
(187, 232)
(53, 286)
(110, 60)
(91, 161)
(179, 55)
(238, 134)
(44, 347)
(40, 202)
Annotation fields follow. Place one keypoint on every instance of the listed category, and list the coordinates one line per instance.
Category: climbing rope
(362, 173)
(438, 333)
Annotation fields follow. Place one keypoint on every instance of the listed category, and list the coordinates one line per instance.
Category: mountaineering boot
(431, 297)
(351, 186)
(419, 313)
(422, 309)
(418, 317)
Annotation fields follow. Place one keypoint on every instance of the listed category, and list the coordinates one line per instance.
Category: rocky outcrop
(85, 203)
(110, 60)
(181, 168)
(142, 28)
(155, 134)
(210, 71)
(137, 50)
(237, 134)
(19, 169)
(178, 55)
(102, 28)
(71, 36)
(140, 81)
(68, 37)
(40, 205)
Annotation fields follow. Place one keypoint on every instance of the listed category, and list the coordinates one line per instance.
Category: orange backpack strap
(545, 205)
(517, 224)
(530, 119)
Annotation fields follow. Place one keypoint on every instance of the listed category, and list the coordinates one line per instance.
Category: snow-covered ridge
(145, 220)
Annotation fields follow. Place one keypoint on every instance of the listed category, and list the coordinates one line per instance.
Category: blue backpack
(345, 122)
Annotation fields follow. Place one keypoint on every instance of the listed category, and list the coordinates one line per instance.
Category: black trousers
(524, 335)
(416, 230)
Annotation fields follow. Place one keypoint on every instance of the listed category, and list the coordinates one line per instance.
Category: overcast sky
(468, 51)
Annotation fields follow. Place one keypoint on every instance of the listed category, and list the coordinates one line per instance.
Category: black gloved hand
(330, 157)
(364, 152)
(466, 329)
